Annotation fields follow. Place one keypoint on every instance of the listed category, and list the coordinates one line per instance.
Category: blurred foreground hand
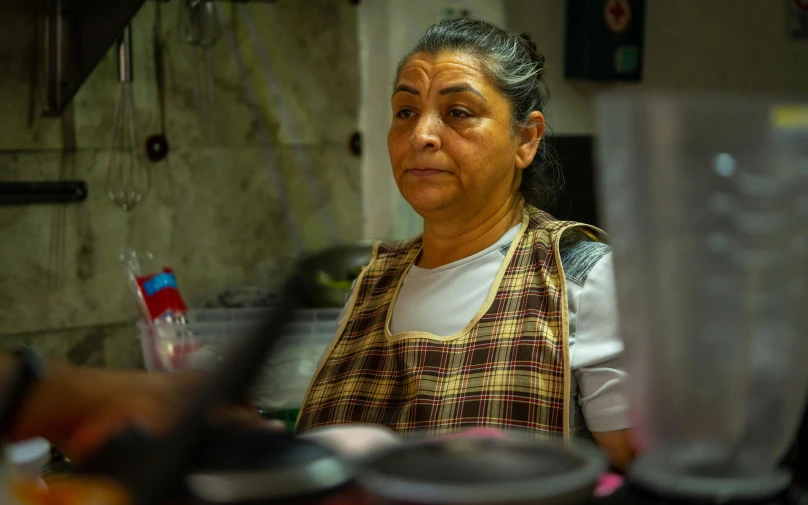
(79, 408)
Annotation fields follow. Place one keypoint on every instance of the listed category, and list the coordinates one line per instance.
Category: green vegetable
(324, 279)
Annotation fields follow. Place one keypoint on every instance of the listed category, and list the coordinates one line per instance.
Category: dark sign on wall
(798, 18)
(604, 39)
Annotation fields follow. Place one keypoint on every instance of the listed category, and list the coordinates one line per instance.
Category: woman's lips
(424, 172)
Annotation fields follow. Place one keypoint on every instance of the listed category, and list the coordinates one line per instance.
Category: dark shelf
(21, 193)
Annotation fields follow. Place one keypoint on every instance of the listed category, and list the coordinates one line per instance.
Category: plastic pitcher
(705, 198)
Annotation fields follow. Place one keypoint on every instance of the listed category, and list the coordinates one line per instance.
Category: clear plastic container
(199, 345)
(705, 198)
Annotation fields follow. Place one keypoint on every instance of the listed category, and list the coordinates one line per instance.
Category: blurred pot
(331, 272)
(469, 469)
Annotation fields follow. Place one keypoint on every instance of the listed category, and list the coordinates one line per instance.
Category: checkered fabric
(509, 371)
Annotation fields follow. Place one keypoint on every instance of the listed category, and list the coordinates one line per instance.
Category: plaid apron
(508, 369)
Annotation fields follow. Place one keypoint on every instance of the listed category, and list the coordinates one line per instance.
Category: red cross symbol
(618, 15)
(617, 11)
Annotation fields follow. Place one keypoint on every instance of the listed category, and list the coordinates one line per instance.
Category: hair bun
(535, 55)
(528, 40)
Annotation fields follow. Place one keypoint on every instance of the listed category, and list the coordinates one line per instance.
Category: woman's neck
(447, 242)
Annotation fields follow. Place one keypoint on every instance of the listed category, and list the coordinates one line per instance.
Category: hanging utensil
(157, 144)
(199, 27)
(188, 28)
(209, 35)
(128, 180)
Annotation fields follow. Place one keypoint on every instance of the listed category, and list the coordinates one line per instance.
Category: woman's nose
(425, 135)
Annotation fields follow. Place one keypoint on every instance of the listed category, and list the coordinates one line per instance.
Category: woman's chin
(425, 203)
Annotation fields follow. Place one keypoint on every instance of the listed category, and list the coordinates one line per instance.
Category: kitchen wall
(703, 45)
(216, 209)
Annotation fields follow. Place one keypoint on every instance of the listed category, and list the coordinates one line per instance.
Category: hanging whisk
(128, 179)
(199, 26)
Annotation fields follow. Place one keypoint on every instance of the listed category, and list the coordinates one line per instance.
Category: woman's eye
(459, 113)
(404, 114)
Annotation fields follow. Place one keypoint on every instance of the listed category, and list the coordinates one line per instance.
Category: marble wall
(216, 209)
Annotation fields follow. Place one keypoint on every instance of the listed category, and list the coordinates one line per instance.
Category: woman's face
(451, 143)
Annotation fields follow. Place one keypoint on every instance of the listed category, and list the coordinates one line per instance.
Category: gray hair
(515, 66)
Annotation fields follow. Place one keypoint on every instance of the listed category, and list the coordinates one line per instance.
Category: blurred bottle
(161, 306)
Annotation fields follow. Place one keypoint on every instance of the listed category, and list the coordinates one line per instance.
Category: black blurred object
(27, 371)
(19, 193)
(604, 40)
(355, 144)
(796, 459)
(240, 466)
(578, 200)
(156, 147)
(59, 465)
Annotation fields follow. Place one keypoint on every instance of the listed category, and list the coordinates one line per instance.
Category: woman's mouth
(424, 172)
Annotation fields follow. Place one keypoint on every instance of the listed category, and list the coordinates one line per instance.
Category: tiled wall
(214, 209)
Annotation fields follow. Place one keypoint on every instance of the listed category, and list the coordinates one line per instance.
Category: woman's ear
(529, 138)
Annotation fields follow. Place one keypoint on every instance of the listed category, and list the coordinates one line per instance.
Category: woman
(497, 315)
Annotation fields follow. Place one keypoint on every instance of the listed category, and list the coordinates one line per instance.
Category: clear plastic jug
(705, 198)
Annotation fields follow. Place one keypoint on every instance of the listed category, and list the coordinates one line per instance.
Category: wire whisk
(128, 179)
(199, 26)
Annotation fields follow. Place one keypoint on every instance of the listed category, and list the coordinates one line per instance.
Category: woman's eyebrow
(460, 88)
(403, 88)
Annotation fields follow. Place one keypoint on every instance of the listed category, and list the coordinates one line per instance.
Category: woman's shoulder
(580, 252)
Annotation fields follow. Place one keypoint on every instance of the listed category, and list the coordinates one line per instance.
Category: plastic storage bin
(201, 343)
